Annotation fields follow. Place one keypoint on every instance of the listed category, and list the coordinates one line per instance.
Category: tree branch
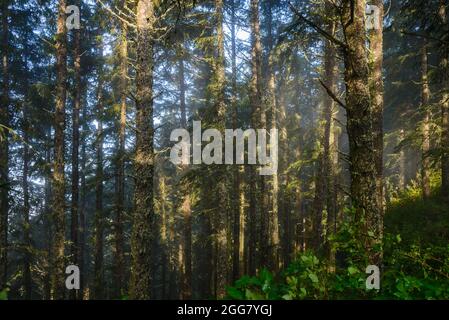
(318, 29)
(332, 94)
(425, 36)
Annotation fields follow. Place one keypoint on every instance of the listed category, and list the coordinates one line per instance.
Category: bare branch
(332, 94)
(116, 15)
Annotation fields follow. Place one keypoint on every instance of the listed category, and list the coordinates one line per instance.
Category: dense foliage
(415, 260)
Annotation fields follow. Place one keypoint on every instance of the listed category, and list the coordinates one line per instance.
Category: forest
(96, 96)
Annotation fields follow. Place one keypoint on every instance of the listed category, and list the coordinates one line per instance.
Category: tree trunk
(377, 98)
(319, 203)
(173, 257)
(256, 110)
(119, 258)
(360, 128)
(74, 228)
(82, 208)
(425, 148)
(252, 231)
(26, 209)
(330, 152)
(98, 292)
(237, 204)
(444, 64)
(165, 244)
(258, 122)
(4, 150)
(402, 164)
(218, 209)
(285, 196)
(142, 233)
(323, 182)
(25, 187)
(186, 206)
(271, 102)
(58, 188)
(47, 218)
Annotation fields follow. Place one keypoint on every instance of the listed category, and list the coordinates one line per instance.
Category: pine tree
(120, 176)
(4, 149)
(58, 181)
(425, 148)
(99, 219)
(142, 233)
(444, 65)
(360, 124)
(74, 208)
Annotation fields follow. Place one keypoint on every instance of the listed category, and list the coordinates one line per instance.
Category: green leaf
(235, 293)
(3, 295)
(313, 277)
(287, 297)
(352, 270)
(251, 295)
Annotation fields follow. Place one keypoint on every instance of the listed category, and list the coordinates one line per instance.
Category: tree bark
(27, 258)
(377, 98)
(222, 216)
(360, 123)
(119, 258)
(74, 212)
(47, 217)
(165, 244)
(58, 183)
(425, 129)
(4, 149)
(237, 201)
(444, 64)
(272, 105)
(319, 203)
(258, 120)
(186, 205)
(26, 209)
(142, 233)
(330, 152)
(98, 289)
(402, 164)
(285, 196)
(82, 208)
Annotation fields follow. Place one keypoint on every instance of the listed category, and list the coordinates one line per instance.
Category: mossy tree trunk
(74, 208)
(142, 233)
(360, 124)
(4, 149)
(425, 126)
(444, 64)
(58, 181)
(119, 258)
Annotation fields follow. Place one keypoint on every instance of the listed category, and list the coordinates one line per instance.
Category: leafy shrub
(3, 295)
(415, 261)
